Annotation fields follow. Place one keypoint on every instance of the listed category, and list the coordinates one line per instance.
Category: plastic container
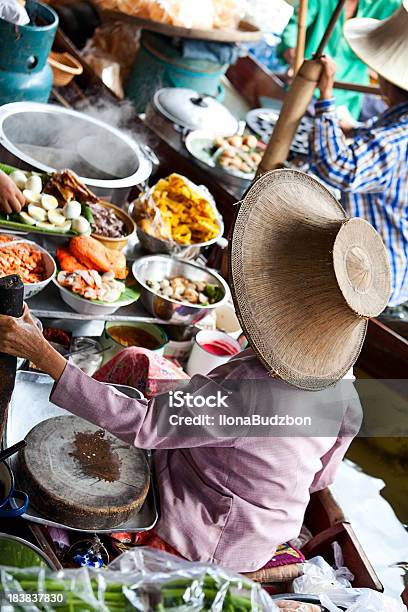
(64, 68)
(152, 329)
(89, 358)
(201, 361)
(227, 321)
(24, 71)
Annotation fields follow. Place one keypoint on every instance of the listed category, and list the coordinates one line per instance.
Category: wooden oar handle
(293, 109)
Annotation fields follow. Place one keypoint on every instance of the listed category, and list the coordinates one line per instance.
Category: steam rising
(61, 141)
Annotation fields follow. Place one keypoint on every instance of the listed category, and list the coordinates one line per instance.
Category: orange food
(90, 252)
(118, 263)
(91, 255)
(6, 238)
(24, 260)
(68, 262)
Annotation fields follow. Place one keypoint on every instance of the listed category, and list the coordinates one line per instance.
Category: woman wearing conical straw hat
(371, 169)
(305, 280)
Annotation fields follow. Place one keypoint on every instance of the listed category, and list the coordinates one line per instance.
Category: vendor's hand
(326, 82)
(346, 128)
(11, 198)
(22, 338)
(296, 606)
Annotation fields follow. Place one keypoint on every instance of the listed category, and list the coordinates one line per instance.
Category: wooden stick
(295, 104)
(329, 30)
(360, 88)
(294, 107)
(301, 36)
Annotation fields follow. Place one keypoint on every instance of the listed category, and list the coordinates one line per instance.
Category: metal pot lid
(192, 110)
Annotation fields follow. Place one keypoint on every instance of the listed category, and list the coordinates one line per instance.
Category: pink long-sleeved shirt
(227, 500)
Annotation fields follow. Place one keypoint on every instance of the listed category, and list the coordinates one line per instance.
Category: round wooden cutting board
(80, 475)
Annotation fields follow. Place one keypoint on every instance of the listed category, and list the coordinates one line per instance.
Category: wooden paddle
(296, 102)
(301, 37)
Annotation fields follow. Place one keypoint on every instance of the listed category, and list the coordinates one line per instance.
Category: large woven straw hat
(382, 45)
(305, 278)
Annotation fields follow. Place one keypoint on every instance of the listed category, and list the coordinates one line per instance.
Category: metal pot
(46, 138)
(174, 111)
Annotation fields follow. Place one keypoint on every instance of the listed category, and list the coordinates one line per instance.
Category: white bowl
(86, 307)
(31, 289)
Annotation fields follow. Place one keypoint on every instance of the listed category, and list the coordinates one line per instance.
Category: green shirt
(349, 67)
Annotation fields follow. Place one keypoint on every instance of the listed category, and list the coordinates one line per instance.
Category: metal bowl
(30, 548)
(151, 244)
(47, 137)
(196, 142)
(156, 267)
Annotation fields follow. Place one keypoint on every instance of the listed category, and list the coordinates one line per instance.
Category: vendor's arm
(145, 424)
(11, 198)
(288, 43)
(348, 166)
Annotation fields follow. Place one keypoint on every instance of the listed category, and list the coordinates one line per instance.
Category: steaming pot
(24, 71)
(45, 138)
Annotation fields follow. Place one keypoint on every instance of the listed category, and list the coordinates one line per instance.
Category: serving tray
(245, 32)
(29, 406)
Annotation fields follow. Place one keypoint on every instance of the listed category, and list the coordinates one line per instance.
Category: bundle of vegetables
(207, 593)
(140, 579)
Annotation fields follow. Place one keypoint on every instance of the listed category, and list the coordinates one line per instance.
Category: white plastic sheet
(360, 600)
(13, 12)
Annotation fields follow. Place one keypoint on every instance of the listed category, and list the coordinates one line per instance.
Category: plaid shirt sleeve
(364, 165)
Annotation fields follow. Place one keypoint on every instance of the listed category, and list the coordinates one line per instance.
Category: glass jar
(89, 356)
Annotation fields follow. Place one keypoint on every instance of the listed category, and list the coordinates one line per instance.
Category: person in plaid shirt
(370, 169)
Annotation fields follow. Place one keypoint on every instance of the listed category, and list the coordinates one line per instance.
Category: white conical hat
(305, 278)
(382, 45)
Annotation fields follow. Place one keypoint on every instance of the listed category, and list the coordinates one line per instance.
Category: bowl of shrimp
(33, 264)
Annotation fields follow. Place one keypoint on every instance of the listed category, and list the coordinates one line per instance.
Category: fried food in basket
(175, 209)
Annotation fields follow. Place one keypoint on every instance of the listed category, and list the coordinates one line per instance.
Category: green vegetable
(87, 213)
(162, 597)
(213, 292)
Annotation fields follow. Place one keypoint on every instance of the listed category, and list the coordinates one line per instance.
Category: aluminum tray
(29, 406)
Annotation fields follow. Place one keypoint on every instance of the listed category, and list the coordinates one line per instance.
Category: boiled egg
(56, 217)
(49, 202)
(32, 197)
(25, 218)
(72, 210)
(81, 225)
(34, 183)
(37, 213)
(19, 178)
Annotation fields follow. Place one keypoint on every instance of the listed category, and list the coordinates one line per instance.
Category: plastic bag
(319, 577)
(111, 53)
(140, 579)
(205, 15)
(360, 600)
(14, 11)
